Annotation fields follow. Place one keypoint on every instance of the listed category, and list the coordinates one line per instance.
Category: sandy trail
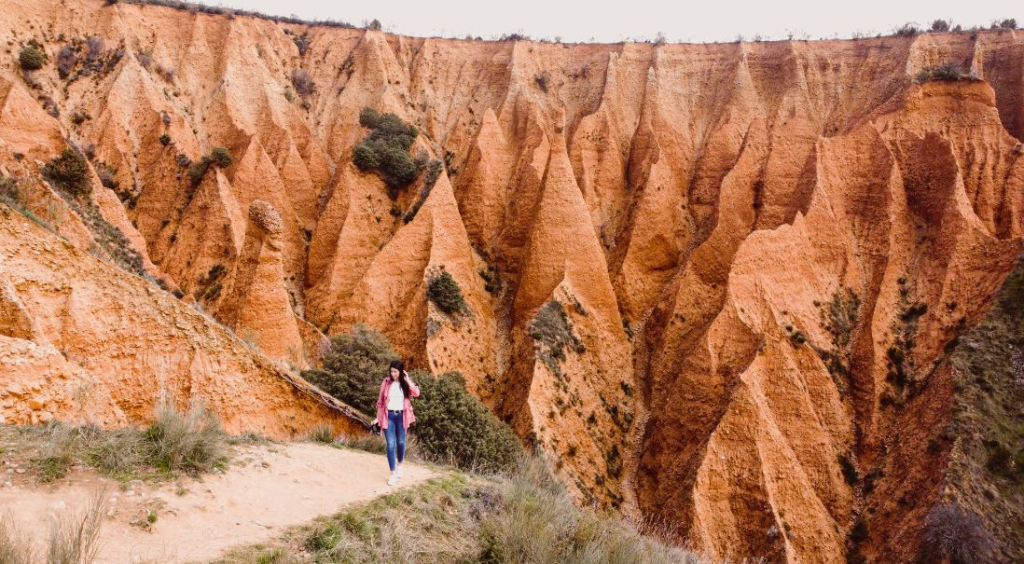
(265, 490)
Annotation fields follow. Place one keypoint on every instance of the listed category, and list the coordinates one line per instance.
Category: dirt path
(265, 490)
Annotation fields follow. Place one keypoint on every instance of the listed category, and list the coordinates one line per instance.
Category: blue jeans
(395, 435)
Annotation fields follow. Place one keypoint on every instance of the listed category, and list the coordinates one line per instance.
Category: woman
(394, 414)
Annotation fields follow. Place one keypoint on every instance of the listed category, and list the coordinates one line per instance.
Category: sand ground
(266, 489)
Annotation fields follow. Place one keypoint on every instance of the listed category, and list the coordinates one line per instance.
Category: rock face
(719, 284)
(256, 302)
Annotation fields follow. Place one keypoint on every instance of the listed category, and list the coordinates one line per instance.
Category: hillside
(719, 284)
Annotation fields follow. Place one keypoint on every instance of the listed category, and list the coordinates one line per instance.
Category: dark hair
(401, 376)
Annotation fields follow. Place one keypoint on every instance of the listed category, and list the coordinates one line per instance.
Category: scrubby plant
(73, 536)
(385, 149)
(165, 139)
(302, 43)
(552, 333)
(67, 58)
(454, 427)
(354, 367)
(303, 82)
(322, 434)
(94, 47)
(940, 25)
(948, 71)
(31, 58)
(433, 173)
(542, 80)
(69, 171)
(191, 442)
(908, 30)
(451, 425)
(446, 294)
(956, 535)
(211, 284)
(106, 174)
(14, 547)
(219, 157)
(166, 71)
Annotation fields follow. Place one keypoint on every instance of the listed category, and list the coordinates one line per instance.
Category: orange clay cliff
(719, 284)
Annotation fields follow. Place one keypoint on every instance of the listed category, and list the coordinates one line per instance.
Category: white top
(396, 397)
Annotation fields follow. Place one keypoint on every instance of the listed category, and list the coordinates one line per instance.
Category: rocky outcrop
(717, 283)
(255, 304)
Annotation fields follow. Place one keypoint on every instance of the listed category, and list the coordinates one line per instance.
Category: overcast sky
(607, 21)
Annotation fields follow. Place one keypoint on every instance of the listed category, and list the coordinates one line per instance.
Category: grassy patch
(458, 518)
(72, 537)
(189, 442)
(14, 547)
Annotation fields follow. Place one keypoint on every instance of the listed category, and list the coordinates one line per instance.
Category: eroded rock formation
(718, 283)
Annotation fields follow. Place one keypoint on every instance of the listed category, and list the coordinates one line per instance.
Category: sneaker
(393, 479)
(399, 473)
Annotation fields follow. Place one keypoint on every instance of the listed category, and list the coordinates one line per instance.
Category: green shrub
(368, 118)
(365, 157)
(451, 425)
(454, 427)
(940, 25)
(445, 292)
(31, 58)
(220, 157)
(69, 171)
(385, 149)
(353, 369)
(165, 139)
(197, 171)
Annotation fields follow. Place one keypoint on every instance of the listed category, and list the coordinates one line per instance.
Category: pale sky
(607, 21)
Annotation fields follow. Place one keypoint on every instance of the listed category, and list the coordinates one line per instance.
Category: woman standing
(394, 414)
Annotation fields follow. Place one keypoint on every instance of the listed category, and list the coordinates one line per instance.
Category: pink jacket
(382, 404)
